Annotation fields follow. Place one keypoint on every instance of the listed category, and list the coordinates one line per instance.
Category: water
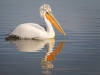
(74, 54)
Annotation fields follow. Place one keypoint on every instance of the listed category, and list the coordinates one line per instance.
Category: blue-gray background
(80, 19)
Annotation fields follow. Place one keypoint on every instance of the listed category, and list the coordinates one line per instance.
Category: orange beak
(54, 22)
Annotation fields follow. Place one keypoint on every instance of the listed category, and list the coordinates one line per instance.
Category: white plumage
(33, 30)
(28, 30)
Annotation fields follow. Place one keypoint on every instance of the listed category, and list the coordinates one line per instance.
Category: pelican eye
(47, 13)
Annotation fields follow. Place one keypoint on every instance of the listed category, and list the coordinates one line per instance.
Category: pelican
(33, 30)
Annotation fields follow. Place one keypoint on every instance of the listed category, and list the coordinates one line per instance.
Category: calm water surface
(78, 53)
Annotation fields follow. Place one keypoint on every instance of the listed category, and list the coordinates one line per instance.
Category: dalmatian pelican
(33, 30)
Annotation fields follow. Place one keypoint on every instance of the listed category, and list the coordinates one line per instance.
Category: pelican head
(46, 12)
(45, 8)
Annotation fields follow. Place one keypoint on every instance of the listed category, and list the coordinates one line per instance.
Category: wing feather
(28, 30)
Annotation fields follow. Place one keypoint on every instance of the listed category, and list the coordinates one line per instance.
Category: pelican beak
(54, 22)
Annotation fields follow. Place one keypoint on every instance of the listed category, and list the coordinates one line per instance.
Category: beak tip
(64, 34)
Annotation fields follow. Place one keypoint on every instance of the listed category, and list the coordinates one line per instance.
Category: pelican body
(33, 30)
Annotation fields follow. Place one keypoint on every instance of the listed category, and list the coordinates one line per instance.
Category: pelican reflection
(30, 45)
